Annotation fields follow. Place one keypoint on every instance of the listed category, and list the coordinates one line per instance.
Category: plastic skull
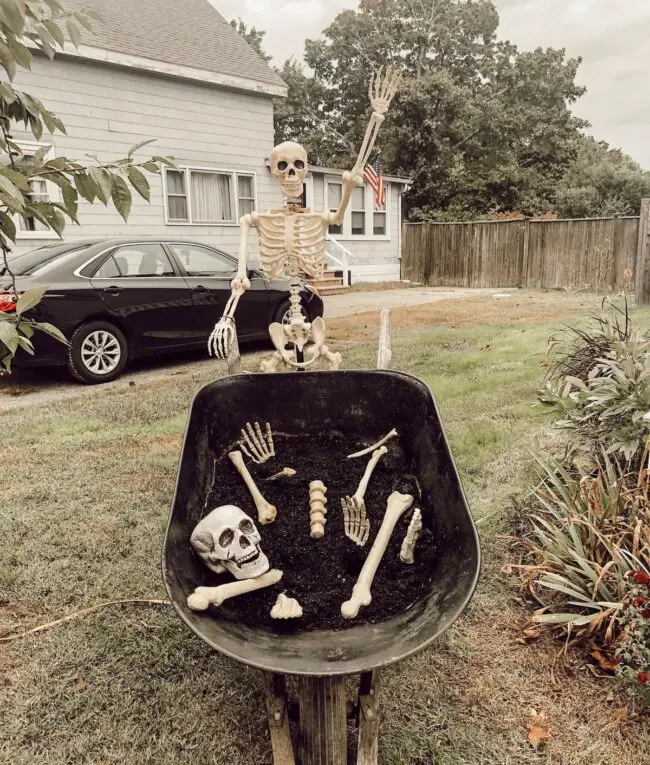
(228, 538)
(289, 168)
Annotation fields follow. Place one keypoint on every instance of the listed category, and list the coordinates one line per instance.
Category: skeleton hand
(222, 337)
(357, 525)
(224, 331)
(383, 87)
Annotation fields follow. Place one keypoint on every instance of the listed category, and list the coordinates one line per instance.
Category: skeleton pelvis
(298, 334)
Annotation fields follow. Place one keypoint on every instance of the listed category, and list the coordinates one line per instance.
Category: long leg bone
(357, 525)
(203, 597)
(266, 512)
(411, 538)
(256, 445)
(284, 473)
(317, 509)
(372, 448)
(286, 608)
(397, 505)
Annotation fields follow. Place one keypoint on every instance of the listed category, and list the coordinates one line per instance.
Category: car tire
(98, 353)
(281, 314)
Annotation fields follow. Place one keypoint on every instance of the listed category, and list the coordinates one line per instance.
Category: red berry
(641, 578)
(642, 678)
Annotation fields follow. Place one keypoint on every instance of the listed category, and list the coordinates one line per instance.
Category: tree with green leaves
(28, 28)
(254, 37)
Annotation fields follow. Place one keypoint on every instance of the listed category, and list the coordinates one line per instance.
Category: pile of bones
(228, 541)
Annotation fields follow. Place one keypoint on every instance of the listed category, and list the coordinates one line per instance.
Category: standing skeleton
(292, 242)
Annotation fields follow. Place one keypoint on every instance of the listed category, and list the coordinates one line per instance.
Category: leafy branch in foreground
(48, 27)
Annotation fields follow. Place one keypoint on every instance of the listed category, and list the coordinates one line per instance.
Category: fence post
(523, 268)
(643, 256)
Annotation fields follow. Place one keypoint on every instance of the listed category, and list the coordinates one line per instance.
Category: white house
(178, 72)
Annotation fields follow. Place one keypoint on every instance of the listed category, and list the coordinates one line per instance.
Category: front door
(139, 285)
(209, 274)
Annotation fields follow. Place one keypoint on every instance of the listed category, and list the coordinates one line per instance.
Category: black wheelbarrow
(366, 404)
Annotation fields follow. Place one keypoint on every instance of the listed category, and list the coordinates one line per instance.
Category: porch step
(328, 284)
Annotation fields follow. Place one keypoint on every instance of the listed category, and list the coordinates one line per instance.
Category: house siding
(107, 110)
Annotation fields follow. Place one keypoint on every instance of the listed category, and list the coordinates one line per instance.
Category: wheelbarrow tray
(365, 403)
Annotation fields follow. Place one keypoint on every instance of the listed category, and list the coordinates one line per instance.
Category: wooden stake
(234, 359)
(643, 256)
(368, 749)
(276, 708)
(385, 354)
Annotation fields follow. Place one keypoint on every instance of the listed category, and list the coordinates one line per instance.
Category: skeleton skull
(289, 168)
(228, 538)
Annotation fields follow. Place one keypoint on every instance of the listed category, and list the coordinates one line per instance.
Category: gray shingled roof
(188, 33)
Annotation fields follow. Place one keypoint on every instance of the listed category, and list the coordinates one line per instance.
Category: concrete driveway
(25, 388)
(358, 302)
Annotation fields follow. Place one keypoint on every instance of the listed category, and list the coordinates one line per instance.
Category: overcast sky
(612, 36)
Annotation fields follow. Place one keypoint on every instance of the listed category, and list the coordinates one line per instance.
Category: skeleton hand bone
(382, 89)
(224, 331)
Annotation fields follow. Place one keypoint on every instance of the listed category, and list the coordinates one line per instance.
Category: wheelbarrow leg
(276, 708)
(323, 720)
(368, 749)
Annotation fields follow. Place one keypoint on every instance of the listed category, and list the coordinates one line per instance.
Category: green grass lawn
(87, 488)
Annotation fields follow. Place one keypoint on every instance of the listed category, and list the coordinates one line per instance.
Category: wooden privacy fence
(588, 253)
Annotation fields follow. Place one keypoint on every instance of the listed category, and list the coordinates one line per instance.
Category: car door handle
(200, 289)
(113, 290)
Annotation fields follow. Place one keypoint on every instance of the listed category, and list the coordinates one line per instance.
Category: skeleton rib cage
(292, 244)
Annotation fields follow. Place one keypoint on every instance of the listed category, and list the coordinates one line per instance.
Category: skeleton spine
(317, 509)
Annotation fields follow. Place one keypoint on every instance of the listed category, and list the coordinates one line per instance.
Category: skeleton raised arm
(224, 332)
(382, 89)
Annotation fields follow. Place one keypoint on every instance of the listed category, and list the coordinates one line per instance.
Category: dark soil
(320, 573)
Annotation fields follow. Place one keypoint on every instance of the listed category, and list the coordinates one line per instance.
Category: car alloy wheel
(101, 352)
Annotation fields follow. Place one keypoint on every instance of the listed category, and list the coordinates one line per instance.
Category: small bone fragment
(397, 505)
(266, 512)
(286, 608)
(256, 445)
(357, 525)
(411, 538)
(203, 597)
(317, 509)
(371, 449)
(287, 472)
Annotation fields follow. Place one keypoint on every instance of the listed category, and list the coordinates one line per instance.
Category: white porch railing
(339, 257)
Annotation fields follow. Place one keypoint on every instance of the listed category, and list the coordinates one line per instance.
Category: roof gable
(190, 34)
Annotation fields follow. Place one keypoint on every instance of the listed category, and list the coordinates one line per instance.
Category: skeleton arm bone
(224, 331)
(382, 89)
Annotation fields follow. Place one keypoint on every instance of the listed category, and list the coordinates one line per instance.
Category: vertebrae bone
(317, 509)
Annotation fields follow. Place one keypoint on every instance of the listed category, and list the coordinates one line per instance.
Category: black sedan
(116, 300)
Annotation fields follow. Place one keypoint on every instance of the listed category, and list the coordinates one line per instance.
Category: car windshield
(36, 261)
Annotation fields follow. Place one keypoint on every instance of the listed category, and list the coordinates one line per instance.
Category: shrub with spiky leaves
(44, 25)
(588, 530)
(605, 403)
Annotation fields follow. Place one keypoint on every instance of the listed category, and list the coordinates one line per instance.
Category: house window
(379, 227)
(364, 219)
(246, 194)
(358, 207)
(334, 198)
(39, 193)
(176, 196)
(208, 197)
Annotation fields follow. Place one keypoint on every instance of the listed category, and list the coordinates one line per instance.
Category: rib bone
(372, 448)
(357, 525)
(285, 473)
(286, 608)
(411, 538)
(397, 505)
(256, 445)
(266, 512)
(203, 597)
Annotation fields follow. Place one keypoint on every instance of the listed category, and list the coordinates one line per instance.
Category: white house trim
(369, 209)
(52, 192)
(92, 53)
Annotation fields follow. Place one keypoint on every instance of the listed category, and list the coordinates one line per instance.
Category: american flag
(373, 176)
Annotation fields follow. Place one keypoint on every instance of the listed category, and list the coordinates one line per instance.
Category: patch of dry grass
(132, 685)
